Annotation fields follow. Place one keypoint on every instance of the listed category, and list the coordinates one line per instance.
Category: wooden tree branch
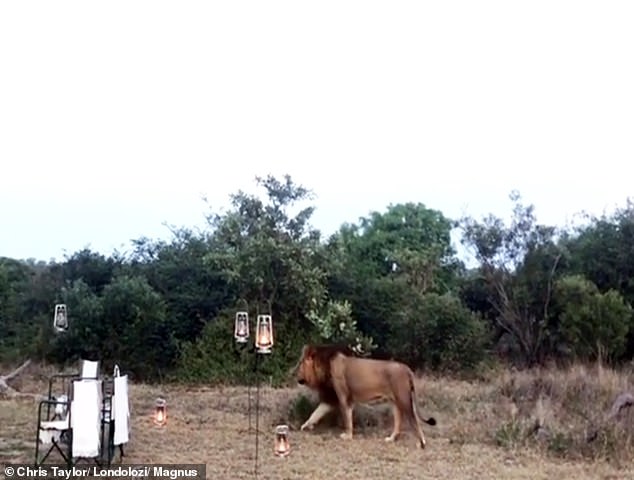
(16, 372)
(549, 290)
(510, 318)
(623, 400)
(516, 318)
(9, 391)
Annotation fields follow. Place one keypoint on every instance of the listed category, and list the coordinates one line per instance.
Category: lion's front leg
(320, 412)
(346, 410)
(343, 394)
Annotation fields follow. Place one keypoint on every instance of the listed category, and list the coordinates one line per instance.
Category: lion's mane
(320, 376)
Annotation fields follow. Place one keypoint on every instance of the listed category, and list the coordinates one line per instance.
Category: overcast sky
(116, 117)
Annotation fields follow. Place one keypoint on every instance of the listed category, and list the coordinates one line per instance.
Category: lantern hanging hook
(242, 304)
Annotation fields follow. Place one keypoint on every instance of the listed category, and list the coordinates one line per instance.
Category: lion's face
(306, 368)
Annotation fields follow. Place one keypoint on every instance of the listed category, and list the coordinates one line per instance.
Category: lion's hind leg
(396, 431)
(406, 400)
(419, 429)
(415, 421)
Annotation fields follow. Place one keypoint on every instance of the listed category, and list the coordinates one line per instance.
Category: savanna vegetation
(540, 297)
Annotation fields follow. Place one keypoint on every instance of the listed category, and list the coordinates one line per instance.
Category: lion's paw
(346, 436)
(307, 426)
(389, 439)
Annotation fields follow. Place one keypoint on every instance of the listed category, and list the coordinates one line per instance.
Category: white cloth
(61, 409)
(55, 425)
(48, 435)
(89, 368)
(52, 430)
(85, 413)
(121, 410)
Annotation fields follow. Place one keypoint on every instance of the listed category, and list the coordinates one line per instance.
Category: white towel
(89, 369)
(60, 425)
(120, 410)
(85, 418)
(52, 430)
(47, 436)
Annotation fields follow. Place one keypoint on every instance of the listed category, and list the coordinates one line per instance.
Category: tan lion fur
(342, 379)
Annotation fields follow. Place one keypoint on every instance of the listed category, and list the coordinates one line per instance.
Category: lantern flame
(264, 336)
(282, 445)
(160, 412)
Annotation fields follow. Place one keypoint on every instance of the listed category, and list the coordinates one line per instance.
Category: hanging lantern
(264, 334)
(60, 318)
(160, 412)
(282, 445)
(241, 327)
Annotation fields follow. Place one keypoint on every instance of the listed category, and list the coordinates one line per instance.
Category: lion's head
(313, 369)
(309, 371)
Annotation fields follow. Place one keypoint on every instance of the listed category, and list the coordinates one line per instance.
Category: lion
(342, 379)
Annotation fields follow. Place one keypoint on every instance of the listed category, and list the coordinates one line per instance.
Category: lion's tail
(428, 421)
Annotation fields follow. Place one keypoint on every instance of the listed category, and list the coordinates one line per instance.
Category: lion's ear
(308, 352)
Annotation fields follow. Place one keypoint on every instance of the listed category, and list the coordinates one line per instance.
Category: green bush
(215, 358)
(592, 323)
(334, 324)
(440, 333)
(127, 324)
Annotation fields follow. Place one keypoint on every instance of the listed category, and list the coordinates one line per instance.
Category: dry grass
(514, 426)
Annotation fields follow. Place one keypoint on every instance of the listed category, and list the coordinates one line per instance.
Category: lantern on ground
(282, 445)
(160, 412)
(241, 327)
(264, 334)
(60, 318)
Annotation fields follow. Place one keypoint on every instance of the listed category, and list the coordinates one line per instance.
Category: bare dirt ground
(211, 426)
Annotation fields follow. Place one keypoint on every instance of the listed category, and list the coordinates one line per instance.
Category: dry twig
(8, 390)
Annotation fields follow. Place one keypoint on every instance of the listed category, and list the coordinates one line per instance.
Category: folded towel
(47, 436)
(85, 418)
(52, 430)
(89, 369)
(55, 425)
(120, 410)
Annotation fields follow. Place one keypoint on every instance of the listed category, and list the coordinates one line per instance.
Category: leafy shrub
(592, 323)
(215, 358)
(439, 332)
(336, 325)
